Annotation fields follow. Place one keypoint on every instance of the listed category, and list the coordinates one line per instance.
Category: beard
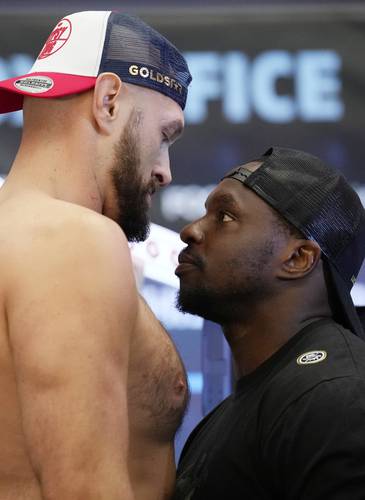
(131, 193)
(244, 286)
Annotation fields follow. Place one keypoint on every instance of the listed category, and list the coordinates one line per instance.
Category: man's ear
(106, 102)
(300, 258)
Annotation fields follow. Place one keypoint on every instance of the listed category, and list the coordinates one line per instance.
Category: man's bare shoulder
(49, 222)
(69, 260)
(56, 234)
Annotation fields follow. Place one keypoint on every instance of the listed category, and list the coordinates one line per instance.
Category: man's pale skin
(91, 387)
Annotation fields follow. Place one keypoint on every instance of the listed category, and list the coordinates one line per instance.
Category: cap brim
(13, 90)
(343, 308)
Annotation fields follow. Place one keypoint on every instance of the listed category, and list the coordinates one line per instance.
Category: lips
(153, 186)
(149, 193)
(186, 258)
(187, 261)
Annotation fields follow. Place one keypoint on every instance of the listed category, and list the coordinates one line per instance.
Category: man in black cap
(273, 262)
(92, 389)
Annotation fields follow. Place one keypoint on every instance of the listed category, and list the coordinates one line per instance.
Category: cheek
(155, 161)
(221, 259)
(234, 257)
(151, 151)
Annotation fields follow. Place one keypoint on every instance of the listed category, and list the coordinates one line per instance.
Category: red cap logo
(57, 38)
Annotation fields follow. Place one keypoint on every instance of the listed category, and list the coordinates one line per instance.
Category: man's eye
(225, 217)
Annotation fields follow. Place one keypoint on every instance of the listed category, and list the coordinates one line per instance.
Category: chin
(196, 302)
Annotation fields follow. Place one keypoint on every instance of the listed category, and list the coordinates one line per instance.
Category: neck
(254, 340)
(60, 165)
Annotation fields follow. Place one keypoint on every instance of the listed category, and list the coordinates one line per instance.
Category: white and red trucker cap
(85, 44)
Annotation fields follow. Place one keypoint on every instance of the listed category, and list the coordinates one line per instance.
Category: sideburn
(131, 194)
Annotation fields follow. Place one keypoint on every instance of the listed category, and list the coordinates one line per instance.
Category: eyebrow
(174, 129)
(224, 199)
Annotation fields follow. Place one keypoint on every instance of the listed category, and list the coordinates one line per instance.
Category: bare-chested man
(92, 389)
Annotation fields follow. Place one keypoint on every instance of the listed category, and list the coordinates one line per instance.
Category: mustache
(152, 187)
(188, 256)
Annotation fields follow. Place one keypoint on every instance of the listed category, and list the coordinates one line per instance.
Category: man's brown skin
(227, 244)
(78, 347)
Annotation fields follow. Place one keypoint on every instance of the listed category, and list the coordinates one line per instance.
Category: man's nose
(162, 172)
(192, 233)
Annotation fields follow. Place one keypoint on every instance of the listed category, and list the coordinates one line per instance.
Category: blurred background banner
(289, 75)
(264, 73)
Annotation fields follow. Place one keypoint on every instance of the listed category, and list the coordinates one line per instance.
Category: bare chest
(157, 386)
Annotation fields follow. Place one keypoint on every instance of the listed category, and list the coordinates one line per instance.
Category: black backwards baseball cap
(85, 44)
(320, 203)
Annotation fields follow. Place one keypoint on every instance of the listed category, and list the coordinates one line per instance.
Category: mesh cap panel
(137, 47)
(144, 57)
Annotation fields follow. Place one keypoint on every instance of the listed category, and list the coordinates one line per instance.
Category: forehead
(157, 103)
(233, 193)
(162, 113)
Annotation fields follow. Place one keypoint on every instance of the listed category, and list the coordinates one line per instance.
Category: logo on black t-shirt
(309, 358)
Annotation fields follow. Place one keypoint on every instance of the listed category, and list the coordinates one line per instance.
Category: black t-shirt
(293, 429)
